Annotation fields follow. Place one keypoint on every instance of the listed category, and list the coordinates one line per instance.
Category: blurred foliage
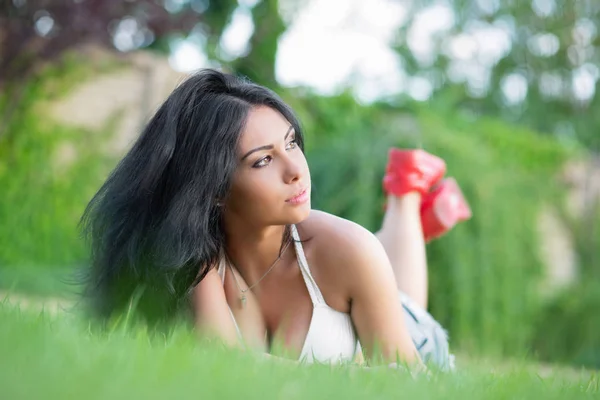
(552, 47)
(567, 330)
(42, 200)
(36, 32)
(259, 64)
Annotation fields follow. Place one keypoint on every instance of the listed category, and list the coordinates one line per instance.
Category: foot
(442, 209)
(412, 170)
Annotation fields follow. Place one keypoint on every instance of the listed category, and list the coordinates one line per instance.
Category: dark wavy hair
(154, 227)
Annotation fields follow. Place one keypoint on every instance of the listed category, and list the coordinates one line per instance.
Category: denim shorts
(430, 339)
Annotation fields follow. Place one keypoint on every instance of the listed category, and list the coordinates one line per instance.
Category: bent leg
(402, 238)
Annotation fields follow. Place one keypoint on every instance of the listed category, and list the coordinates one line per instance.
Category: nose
(293, 170)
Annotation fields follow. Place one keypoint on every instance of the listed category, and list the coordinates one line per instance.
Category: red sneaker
(443, 208)
(412, 170)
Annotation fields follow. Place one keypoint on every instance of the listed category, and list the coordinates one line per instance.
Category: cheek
(254, 190)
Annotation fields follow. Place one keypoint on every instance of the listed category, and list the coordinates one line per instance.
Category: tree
(33, 33)
(532, 62)
(259, 63)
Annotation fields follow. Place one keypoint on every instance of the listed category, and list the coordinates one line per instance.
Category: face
(271, 185)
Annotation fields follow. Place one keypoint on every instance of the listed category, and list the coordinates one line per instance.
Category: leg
(402, 238)
(416, 214)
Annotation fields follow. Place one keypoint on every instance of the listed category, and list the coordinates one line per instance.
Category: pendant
(243, 300)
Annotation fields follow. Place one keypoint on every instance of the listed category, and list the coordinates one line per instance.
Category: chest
(276, 314)
(287, 310)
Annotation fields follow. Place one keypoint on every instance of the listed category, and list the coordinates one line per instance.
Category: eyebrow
(268, 146)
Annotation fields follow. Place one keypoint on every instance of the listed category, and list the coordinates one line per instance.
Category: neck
(253, 250)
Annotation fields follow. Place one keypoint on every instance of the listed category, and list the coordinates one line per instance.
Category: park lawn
(56, 356)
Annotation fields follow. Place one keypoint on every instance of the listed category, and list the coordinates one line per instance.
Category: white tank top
(331, 336)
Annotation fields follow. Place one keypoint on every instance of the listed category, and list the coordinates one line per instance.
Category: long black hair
(155, 224)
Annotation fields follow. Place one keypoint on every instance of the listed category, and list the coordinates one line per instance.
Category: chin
(299, 214)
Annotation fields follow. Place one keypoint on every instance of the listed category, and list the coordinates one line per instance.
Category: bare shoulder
(332, 234)
(343, 251)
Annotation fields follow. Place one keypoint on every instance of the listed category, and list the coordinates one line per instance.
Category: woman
(211, 208)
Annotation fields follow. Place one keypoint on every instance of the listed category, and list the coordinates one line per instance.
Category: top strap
(221, 269)
(313, 290)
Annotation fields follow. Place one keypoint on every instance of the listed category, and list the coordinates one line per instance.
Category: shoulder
(331, 234)
(341, 249)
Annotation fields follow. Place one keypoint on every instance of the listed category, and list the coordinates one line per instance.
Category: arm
(211, 310)
(375, 306)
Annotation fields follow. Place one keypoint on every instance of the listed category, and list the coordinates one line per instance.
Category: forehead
(264, 126)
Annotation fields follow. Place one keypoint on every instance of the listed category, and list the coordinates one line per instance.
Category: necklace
(244, 291)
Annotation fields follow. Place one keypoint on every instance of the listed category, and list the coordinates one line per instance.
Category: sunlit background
(504, 91)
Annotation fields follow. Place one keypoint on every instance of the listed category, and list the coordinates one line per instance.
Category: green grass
(40, 280)
(45, 356)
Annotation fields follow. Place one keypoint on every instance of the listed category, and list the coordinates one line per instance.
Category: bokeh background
(503, 90)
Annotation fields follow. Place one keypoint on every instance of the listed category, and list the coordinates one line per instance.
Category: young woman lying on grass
(210, 212)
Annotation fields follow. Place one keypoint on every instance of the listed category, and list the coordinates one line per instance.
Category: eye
(292, 145)
(263, 162)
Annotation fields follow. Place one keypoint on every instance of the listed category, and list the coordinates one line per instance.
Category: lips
(299, 198)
